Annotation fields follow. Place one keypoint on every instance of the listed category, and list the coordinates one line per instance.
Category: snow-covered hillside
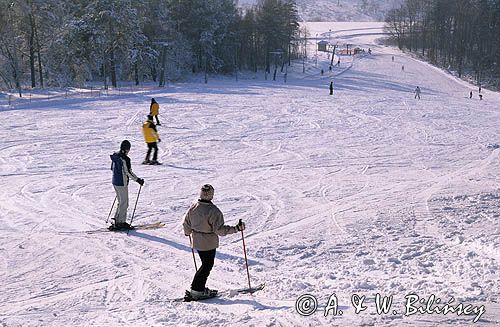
(339, 10)
(367, 191)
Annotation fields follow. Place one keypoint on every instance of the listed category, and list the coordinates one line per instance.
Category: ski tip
(253, 289)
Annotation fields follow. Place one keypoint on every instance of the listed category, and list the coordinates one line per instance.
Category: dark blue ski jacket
(122, 169)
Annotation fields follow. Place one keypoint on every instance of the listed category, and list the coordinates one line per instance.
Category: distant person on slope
(470, 95)
(122, 172)
(331, 88)
(154, 110)
(206, 223)
(150, 137)
(417, 93)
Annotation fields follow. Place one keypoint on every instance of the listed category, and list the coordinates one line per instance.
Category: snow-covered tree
(207, 26)
(10, 41)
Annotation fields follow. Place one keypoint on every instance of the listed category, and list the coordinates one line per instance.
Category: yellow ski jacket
(154, 110)
(149, 131)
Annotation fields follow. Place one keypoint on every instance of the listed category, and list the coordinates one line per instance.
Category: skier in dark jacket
(417, 92)
(122, 172)
(331, 88)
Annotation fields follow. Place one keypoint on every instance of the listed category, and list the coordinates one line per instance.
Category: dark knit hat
(125, 145)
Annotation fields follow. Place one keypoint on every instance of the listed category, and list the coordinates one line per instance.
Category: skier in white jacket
(205, 222)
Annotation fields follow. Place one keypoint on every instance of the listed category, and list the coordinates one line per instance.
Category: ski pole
(245, 251)
(133, 213)
(192, 250)
(109, 215)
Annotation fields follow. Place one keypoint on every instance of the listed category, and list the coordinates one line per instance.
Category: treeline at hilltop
(65, 43)
(462, 35)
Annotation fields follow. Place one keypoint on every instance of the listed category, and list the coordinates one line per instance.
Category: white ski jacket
(206, 223)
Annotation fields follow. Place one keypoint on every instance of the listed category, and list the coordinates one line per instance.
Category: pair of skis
(155, 225)
(152, 163)
(226, 293)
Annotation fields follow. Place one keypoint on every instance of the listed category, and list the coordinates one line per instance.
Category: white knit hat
(207, 192)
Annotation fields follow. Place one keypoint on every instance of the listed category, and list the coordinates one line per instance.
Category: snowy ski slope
(367, 191)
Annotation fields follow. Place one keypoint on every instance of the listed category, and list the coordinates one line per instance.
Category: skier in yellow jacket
(154, 110)
(151, 137)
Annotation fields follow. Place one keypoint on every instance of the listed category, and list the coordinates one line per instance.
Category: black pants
(152, 146)
(157, 120)
(201, 276)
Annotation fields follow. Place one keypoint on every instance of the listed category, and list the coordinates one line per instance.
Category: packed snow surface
(366, 191)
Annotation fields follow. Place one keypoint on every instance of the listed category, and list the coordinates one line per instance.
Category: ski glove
(240, 226)
(159, 140)
(140, 181)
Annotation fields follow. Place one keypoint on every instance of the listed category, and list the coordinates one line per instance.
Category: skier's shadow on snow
(254, 303)
(220, 255)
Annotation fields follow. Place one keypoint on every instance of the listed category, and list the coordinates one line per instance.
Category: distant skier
(403, 68)
(330, 67)
(480, 97)
(369, 51)
(392, 58)
(205, 222)
(470, 95)
(338, 63)
(331, 88)
(322, 72)
(154, 110)
(417, 93)
(122, 172)
(480, 88)
(150, 137)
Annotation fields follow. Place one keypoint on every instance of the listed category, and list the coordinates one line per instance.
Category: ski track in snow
(367, 191)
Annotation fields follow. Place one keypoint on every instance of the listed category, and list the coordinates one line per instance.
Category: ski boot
(197, 295)
(120, 227)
